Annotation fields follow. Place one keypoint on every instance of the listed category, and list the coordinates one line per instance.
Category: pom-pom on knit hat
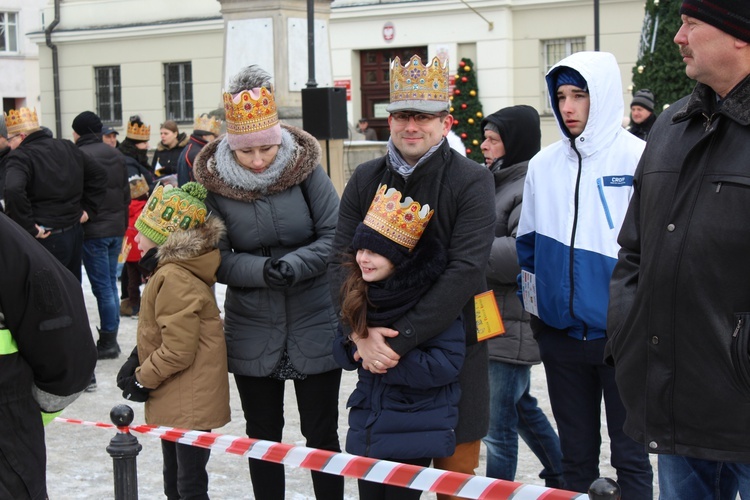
(137, 130)
(171, 209)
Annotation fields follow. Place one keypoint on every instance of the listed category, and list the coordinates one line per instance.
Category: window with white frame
(552, 52)
(178, 86)
(8, 32)
(108, 97)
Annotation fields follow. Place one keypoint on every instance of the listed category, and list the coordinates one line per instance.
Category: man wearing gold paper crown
(206, 129)
(421, 165)
(51, 187)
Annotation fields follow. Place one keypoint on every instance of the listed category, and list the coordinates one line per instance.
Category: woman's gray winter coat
(288, 212)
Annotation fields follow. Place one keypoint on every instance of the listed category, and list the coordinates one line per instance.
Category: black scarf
(390, 299)
(149, 261)
(128, 148)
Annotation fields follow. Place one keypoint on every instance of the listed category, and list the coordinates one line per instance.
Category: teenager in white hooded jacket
(575, 197)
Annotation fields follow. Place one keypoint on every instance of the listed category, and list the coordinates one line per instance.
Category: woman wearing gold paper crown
(280, 208)
(179, 365)
(409, 413)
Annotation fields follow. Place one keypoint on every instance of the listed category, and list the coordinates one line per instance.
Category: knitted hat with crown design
(171, 209)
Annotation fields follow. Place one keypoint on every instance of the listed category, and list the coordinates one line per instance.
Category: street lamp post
(596, 25)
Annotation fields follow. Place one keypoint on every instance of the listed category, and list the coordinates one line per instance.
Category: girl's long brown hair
(353, 295)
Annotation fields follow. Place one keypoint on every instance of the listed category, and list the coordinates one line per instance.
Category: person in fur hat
(409, 413)
(179, 365)
(264, 179)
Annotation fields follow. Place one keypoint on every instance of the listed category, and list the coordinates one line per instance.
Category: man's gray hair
(248, 78)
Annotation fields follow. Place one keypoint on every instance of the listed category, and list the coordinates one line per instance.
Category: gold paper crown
(207, 124)
(169, 209)
(415, 81)
(138, 186)
(21, 120)
(400, 222)
(138, 132)
(247, 113)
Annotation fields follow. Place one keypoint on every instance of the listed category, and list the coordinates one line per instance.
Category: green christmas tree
(659, 67)
(467, 110)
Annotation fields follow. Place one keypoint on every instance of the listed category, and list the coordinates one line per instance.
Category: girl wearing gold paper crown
(179, 365)
(407, 413)
(280, 208)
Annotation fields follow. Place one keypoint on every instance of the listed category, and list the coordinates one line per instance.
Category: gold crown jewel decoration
(250, 111)
(169, 209)
(401, 222)
(207, 124)
(416, 81)
(138, 132)
(21, 120)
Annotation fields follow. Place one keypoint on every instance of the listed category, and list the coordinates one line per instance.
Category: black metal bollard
(604, 488)
(124, 448)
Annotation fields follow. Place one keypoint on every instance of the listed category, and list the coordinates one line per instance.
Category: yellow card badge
(489, 322)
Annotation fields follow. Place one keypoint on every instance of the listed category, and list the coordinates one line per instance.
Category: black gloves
(134, 391)
(286, 271)
(278, 274)
(128, 368)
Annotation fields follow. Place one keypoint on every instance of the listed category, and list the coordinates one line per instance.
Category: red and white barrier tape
(343, 464)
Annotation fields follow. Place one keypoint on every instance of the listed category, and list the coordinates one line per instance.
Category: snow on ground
(79, 467)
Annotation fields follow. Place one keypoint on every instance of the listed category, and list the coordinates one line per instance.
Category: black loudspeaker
(324, 112)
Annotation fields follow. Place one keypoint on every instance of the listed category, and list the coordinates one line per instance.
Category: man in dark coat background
(51, 187)
(103, 233)
(461, 193)
(512, 136)
(205, 129)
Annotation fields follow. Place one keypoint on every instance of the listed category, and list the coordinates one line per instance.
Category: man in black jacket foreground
(47, 356)
(678, 323)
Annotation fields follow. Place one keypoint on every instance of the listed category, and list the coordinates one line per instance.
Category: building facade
(165, 59)
(512, 44)
(19, 55)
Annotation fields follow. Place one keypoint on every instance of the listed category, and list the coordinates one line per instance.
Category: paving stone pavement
(79, 467)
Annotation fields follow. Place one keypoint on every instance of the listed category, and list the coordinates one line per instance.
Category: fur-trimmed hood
(186, 248)
(300, 156)
(182, 140)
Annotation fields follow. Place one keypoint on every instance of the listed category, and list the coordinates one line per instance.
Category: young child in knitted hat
(179, 366)
(406, 413)
(131, 304)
